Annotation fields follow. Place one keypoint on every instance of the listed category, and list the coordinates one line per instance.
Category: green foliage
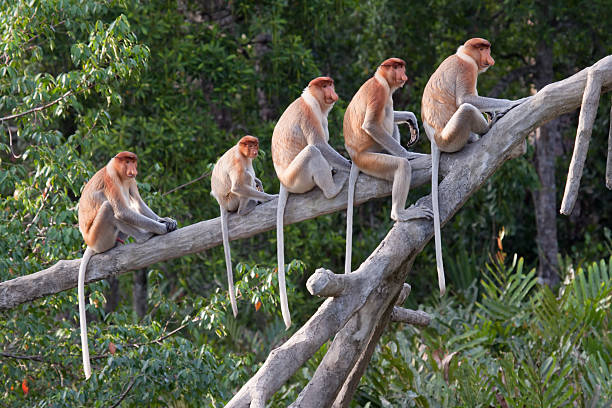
(178, 83)
(520, 344)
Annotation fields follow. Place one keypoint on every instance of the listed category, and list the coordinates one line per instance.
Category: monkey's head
(125, 164)
(394, 71)
(249, 146)
(322, 88)
(480, 50)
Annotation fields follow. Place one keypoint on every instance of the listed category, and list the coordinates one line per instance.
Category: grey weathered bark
(140, 293)
(188, 240)
(378, 280)
(588, 111)
(547, 142)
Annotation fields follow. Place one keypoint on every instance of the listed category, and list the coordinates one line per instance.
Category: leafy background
(178, 82)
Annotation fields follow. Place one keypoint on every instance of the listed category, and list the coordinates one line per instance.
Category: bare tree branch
(385, 271)
(590, 102)
(188, 240)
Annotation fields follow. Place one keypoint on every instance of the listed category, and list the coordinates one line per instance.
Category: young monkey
(451, 111)
(303, 159)
(372, 139)
(110, 210)
(234, 185)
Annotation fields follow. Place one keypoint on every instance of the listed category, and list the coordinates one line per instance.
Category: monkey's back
(288, 138)
(220, 181)
(355, 138)
(439, 101)
(89, 203)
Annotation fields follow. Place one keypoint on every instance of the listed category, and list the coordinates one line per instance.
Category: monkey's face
(325, 92)
(249, 148)
(480, 50)
(128, 168)
(485, 59)
(394, 71)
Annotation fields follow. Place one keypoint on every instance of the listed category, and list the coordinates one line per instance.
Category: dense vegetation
(178, 82)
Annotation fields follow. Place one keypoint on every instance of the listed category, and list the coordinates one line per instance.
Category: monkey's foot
(473, 138)
(412, 213)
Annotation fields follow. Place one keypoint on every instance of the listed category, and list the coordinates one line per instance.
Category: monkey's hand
(258, 185)
(495, 116)
(171, 224)
(410, 119)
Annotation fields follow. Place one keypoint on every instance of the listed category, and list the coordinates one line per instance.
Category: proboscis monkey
(236, 188)
(372, 139)
(303, 159)
(110, 210)
(451, 111)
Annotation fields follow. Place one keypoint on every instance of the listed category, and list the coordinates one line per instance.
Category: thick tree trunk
(140, 293)
(547, 142)
(112, 295)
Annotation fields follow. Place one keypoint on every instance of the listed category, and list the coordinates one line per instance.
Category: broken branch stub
(415, 317)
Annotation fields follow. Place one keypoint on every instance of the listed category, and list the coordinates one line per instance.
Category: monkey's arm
(128, 216)
(411, 120)
(315, 138)
(144, 209)
(373, 128)
(242, 186)
(142, 206)
(332, 156)
(485, 104)
(405, 117)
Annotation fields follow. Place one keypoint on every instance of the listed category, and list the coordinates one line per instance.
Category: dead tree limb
(382, 275)
(590, 102)
(188, 240)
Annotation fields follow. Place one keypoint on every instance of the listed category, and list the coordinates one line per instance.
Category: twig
(125, 393)
(42, 204)
(206, 174)
(47, 105)
(165, 336)
(38, 108)
(23, 357)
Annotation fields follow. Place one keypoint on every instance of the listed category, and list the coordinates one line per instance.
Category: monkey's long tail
(349, 216)
(228, 260)
(82, 317)
(280, 254)
(435, 165)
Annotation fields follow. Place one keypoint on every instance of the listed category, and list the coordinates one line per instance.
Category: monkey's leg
(283, 194)
(138, 234)
(394, 169)
(228, 260)
(456, 133)
(103, 230)
(246, 206)
(309, 169)
(349, 217)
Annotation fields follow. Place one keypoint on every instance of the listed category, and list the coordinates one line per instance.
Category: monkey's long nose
(333, 96)
(491, 61)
